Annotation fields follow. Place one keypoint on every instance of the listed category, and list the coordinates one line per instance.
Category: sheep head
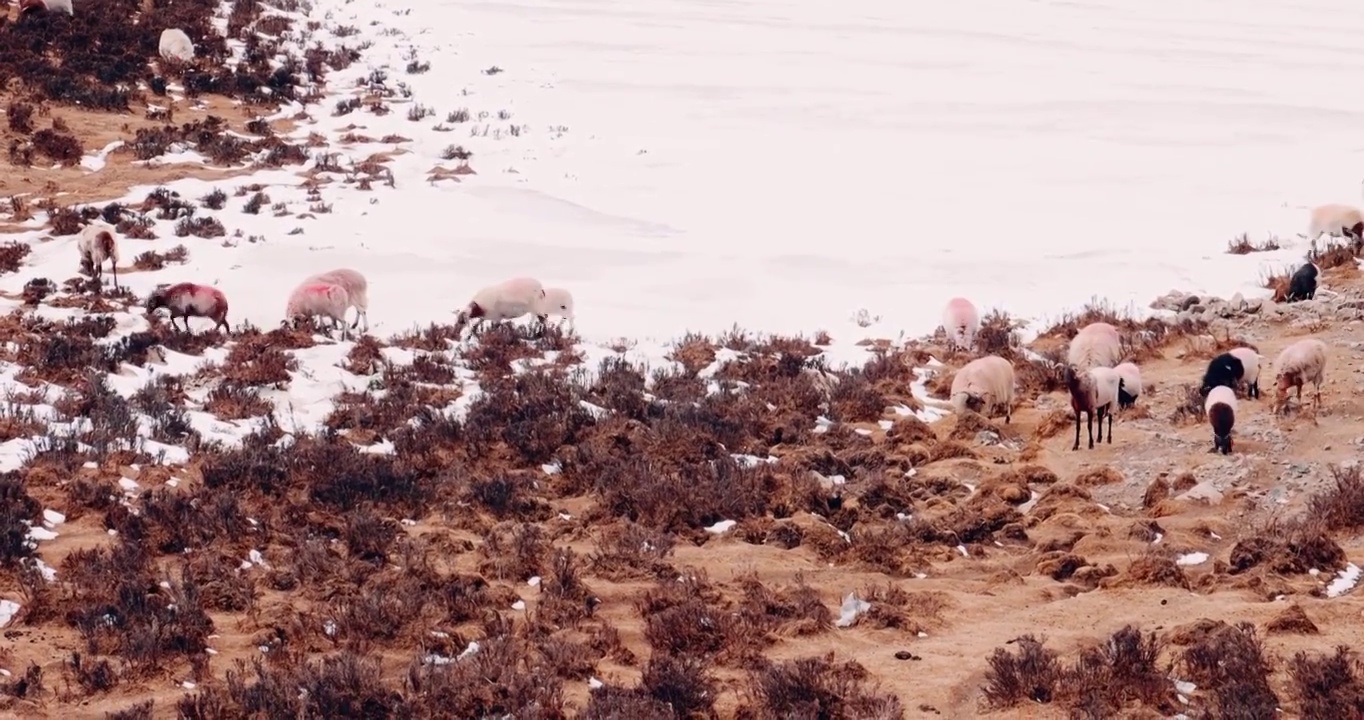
(157, 299)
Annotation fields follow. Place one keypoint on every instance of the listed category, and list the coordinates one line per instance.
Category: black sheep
(1225, 369)
(1303, 285)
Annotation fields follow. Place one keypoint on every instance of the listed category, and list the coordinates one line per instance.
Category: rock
(1202, 492)
(987, 437)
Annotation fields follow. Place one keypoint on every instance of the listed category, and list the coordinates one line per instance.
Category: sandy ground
(963, 603)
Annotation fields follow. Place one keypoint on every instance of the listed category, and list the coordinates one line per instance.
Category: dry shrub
(257, 360)
(1292, 620)
(1153, 567)
(694, 352)
(12, 256)
(817, 687)
(1340, 507)
(1230, 663)
(230, 401)
(534, 414)
(1117, 675)
(1328, 686)
(787, 611)
(153, 260)
(1094, 477)
(503, 678)
(366, 357)
(1287, 547)
(61, 147)
(342, 685)
(996, 333)
(1332, 256)
(1032, 673)
(630, 551)
(17, 512)
(1243, 245)
(1278, 282)
(1190, 408)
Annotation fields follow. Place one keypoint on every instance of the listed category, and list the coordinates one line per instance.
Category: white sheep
(1131, 384)
(1300, 363)
(357, 289)
(984, 385)
(1093, 392)
(176, 45)
(97, 243)
(318, 299)
(507, 300)
(1336, 220)
(1250, 360)
(1220, 408)
(960, 321)
(557, 302)
(1096, 345)
(48, 5)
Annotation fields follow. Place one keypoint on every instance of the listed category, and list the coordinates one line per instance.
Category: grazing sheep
(1343, 220)
(176, 45)
(1131, 384)
(556, 301)
(357, 289)
(984, 385)
(97, 243)
(507, 300)
(960, 321)
(1302, 362)
(1093, 391)
(187, 300)
(1225, 369)
(1250, 361)
(1221, 409)
(48, 5)
(1096, 345)
(1303, 284)
(318, 299)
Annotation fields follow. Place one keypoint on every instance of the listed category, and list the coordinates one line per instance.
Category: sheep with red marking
(557, 302)
(1336, 220)
(97, 243)
(318, 299)
(984, 385)
(1300, 363)
(1097, 344)
(26, 6)
(1250, 367)
(187, 300)
(961, 322)
(1221, 410)
(357, 289)
(1093, 392)
(176, 45)
(507, 300)
(1131, 384)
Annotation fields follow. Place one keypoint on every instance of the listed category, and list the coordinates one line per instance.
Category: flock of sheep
(1097, 378)
(329, 295)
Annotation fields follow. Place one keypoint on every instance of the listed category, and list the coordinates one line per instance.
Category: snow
(1345, 581)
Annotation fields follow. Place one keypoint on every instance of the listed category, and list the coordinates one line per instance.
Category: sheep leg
(1103, 412)
(1089, 421)
(113, 267)
(1077, 430)
(1109, 413)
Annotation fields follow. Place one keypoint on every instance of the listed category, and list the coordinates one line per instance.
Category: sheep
(1303, 284)
(1096, 345)
(1302, 362)
(1221, 410)
(1093, 391)
(960, 321)
(357, 289)
(1335, 219)
(187, 300)
(1131, 384)
(507, 300)
(556, 301)
(1250, 361)
(1225, 369)
(318, 299)
(984, 385)
(48, 5)
(176, 45)
(97, 243)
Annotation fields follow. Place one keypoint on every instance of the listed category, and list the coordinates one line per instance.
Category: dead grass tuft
(1243, 245)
